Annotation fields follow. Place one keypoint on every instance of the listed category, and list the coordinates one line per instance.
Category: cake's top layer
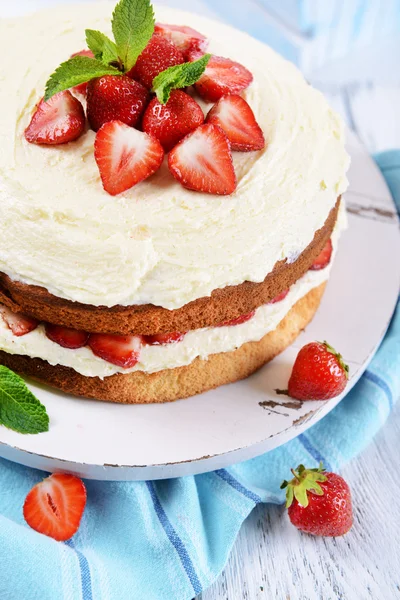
(158, 243)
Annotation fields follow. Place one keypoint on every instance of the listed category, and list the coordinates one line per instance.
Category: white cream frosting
(197, 343)
(158, 242)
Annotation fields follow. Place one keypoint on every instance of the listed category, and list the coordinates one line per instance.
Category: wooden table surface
(271, 559)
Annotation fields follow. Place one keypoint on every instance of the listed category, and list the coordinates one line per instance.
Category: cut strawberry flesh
(324, 257)
(54, 507)
(235, 117)
(123, 351)
(18, 323)
(280, 297)
(82, 87)
(186, 39)
(202, 161)
(66, 337)
(58, 121)
(125, 156)
(239, 320)
(221, 77)
(163, 338)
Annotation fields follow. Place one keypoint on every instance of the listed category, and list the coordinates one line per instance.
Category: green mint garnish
(74, 71)
(133, 26)
(20, 410)
(179, 76)
(102, 47)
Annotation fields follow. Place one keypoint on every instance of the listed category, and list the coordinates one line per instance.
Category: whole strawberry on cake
(171, 201)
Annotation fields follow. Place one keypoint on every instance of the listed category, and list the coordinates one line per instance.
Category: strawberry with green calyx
(319, 502)
(319, 373)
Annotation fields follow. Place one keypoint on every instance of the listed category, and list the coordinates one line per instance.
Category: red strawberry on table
(163, 338)
(172, 121)
(202, 161)
(125, 156)
(318, 373)
(238, 320)
(319, 502)
(235, 117)
(115, 98)
(120, 350)
(184, 38)
(222, 76)
(55, 506)
(82, 88)
(158, 55)
(66, 336)
(57, 121)
(18, 323)
(324, 258)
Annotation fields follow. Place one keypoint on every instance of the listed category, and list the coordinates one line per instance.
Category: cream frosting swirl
(158, 243)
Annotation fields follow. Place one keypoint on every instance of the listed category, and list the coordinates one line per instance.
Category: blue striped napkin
(169, 540)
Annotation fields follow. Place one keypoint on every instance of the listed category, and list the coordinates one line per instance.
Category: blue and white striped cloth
(169, 540)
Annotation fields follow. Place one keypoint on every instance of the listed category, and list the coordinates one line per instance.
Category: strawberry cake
(171, 201)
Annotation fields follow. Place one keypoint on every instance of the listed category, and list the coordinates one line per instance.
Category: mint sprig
(179, 76)
(75, 71)
(132, 25)
(20, 410)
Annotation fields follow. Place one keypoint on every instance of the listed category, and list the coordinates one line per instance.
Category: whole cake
(170, 201)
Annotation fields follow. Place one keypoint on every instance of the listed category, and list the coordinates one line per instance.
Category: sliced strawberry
(125, 156)
(120, 350)
(235, 117)
(18, 323)
(163, 338)
(158, 55)
(55, 506)
(239, 320)
(279, 297)
(324, 258)
(82, 88)
(202, 161)
(186, 39)
(66, 337)
(221, 77)
(115, 98)
(172, 121)
(57, 121)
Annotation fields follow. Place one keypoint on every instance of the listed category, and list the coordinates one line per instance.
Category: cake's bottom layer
(173, 384)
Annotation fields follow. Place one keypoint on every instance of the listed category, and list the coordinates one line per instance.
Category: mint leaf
(102, 47)
(74, 71)
(179, 76)
(133, 25)
(20, 410)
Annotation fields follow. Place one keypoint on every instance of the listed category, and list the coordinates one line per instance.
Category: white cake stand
(239, 421)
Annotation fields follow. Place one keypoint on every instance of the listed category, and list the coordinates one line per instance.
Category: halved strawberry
(235, 117)
(55, 506)
(184, 38)
(82, 87)
(57, 121)
(115, 98)
(120, 350)
(125, 156)
(66, 336)
(158, 55)
(279, 297)
(202, 161)
(172, 121)
(221, 77)
(163, 338)
(239, 320)
(18, 323)
(324, 258)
